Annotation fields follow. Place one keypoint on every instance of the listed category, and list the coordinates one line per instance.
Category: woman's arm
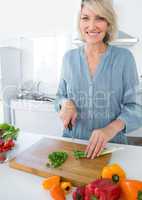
(130, 117)
(114, 127)
(61, 95)
(131, 109)
(63, 104)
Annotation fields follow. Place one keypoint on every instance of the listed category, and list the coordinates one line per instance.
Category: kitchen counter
(15, 184)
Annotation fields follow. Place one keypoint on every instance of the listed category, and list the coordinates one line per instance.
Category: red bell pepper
(79, 194)
(101, 189)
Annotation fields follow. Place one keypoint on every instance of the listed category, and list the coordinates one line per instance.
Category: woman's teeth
(93, 33)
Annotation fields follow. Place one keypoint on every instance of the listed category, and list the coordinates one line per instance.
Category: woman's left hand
(100, 137)
(97, 142)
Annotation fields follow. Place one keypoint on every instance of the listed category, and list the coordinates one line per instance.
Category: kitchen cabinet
(10, 77)
(37, 117)
(136, 133)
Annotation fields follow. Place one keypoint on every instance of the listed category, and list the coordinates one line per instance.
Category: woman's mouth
(93, 34)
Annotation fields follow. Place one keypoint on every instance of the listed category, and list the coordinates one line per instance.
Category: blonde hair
(103, 8)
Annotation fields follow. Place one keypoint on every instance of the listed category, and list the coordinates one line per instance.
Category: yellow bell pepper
(66, 186)
(114, 172)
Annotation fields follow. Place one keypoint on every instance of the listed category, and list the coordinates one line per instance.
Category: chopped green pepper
(56, 159)
(79, 154)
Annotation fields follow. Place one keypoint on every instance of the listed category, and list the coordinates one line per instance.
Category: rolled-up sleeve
(61, 94)
(131, 106)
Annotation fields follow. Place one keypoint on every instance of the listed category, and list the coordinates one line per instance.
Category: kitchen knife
(69, 125)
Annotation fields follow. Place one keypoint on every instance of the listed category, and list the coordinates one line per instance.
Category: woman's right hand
(68, 113)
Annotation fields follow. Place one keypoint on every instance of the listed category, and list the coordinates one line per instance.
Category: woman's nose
(92, 24)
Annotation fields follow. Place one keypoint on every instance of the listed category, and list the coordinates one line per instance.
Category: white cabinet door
(36, 117)
(136, 133)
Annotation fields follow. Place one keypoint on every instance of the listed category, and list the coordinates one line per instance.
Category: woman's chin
(93, 41)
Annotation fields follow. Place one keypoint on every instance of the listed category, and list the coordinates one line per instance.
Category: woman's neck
(95, 49)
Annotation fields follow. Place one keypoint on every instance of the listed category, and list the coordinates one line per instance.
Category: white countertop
(19, 185)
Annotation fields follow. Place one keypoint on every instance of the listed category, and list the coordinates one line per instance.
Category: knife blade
(110, 150)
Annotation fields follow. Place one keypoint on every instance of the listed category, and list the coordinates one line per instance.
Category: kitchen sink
(35, 97)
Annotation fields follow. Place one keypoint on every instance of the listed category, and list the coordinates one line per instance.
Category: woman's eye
(84, 18)
(99, 18)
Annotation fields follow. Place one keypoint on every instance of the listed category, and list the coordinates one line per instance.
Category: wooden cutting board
(79, 172)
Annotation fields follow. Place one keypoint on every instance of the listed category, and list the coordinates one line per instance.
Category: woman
(97, 89)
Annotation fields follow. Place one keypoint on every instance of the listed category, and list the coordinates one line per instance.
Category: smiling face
(93, 27)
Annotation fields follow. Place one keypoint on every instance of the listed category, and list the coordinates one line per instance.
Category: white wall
(37, 16)
(42, 17)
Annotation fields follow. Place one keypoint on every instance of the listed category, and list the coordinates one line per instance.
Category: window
(47, 59)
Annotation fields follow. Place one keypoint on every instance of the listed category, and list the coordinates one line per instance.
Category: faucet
(37, 87)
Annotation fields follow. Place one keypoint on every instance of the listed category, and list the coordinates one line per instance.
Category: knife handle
(70, 126)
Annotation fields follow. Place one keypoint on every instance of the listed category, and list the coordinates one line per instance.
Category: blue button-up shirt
(108, 95)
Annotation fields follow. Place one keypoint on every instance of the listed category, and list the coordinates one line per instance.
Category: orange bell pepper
(50, 182)
(57, 193)
(131, 189)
